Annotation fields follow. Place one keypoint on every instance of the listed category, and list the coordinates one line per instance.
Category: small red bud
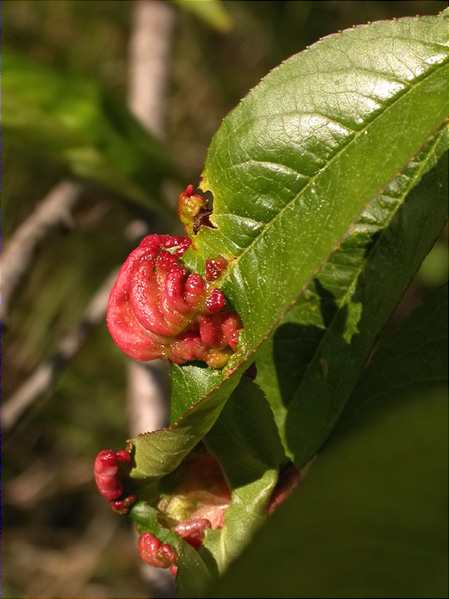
(108, 470)
(121, 506)
(215, 267)
(216, 301)
(188, 191)
(155, 553)
(123, 456)
(192, 531)
(106, 475)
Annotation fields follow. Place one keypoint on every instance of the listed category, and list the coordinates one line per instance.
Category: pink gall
(216, 301)
(189, 190)
(110, 467)
(192, 531)
(157, 308)
(155, 553)
(215, 268)
(200, 499)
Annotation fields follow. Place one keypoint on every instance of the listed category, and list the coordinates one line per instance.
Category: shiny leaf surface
(290, 170)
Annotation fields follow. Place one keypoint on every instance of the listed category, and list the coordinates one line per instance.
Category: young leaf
(311, 365)
(290, 170)
(370, 520)
(212, 12)
(74, 122)
(247, 445)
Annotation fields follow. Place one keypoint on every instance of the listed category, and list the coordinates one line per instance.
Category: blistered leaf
(290, 171)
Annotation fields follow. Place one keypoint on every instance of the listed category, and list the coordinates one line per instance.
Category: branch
(54, 209)
(42, 378)
(149, 49)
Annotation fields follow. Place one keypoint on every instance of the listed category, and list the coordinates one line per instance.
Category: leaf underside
(370, 520)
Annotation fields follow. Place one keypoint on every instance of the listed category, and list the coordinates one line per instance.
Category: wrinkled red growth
(215, 268)
(192, 530)
(155, 553)
(203, 494)
(289, 478)
(109, 468)
(157, 309)
(216, 301)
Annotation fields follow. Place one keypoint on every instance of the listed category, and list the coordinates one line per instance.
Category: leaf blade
(269, 262)
(315, 346)
(361, 516)
(373, 507)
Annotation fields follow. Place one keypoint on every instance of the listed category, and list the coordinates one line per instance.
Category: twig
(149, 48)
(42, 378)
(54, 209)
(148, 388)
(45, 374)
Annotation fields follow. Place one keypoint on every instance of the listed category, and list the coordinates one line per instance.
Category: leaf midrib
(192, 407)
(313, 178)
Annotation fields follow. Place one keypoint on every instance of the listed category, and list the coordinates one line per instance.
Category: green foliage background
(52, 512)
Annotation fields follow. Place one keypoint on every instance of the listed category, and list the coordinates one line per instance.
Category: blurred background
(71, 68)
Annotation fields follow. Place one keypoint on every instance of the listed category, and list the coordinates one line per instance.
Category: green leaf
(290, 170)
(434, 270)
(311, 365)
(416, 355)
(76, 123)
(247, 445)
(370, 520)
(211, 12)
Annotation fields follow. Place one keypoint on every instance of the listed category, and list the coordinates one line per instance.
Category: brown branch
(45, 374)
(53, 210)
(149, 49)
(42, 378)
